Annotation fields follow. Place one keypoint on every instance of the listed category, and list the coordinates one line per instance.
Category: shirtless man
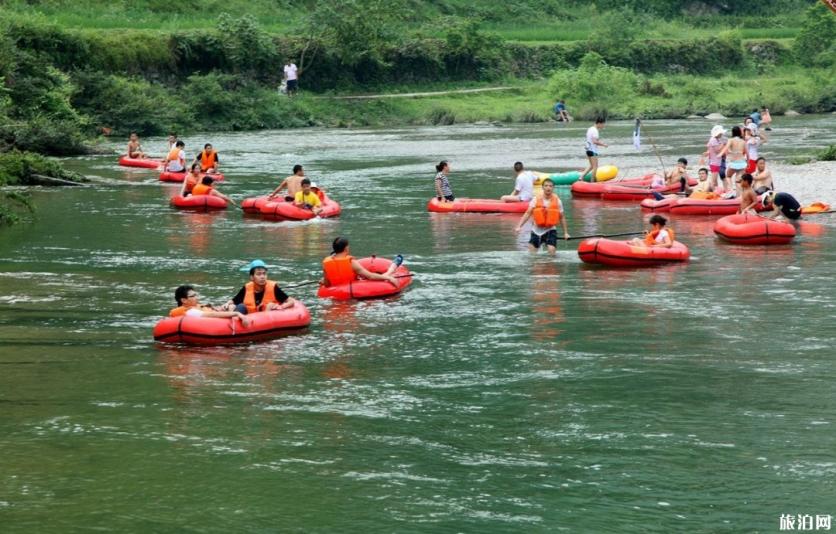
(748, 198)
(293, 183)
(679, 176)
(134, 148)
(762, 177)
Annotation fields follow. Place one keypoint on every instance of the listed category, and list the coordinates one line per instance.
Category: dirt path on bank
(415, 95)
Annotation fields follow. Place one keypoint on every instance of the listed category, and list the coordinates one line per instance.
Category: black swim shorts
(549, 238)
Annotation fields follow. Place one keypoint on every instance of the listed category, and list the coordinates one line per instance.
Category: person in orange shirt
(208, 159)
(205, 188)
(192, 179)
(189, 305)
(341, 268)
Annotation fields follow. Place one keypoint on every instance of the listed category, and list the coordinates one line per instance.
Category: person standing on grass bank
(547, 211)
(443, 192)
(291, 74)
(523, 187)
(134, 148)
(593, 141)
(292, 183)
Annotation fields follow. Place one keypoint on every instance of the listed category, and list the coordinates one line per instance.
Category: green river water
(502, 392)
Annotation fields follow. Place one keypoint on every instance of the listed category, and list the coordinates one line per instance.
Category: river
(502, 392)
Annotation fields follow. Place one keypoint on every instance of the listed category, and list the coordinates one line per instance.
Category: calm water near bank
(503, 392)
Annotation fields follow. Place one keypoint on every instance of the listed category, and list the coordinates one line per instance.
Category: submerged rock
(791, 113)
(715, 117)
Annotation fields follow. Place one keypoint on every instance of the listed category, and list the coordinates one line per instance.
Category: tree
(818, 34)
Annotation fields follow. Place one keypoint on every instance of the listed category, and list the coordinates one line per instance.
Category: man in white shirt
(547, 212)
(292, 76)
(524, 186)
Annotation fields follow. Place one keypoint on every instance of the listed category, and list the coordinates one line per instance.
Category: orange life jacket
(338, 270)
(201, 189)
(650, 238)
(207, 161)
(173, 154)
(546, 217)
(269, 296)
(191, 182)
(179, 311)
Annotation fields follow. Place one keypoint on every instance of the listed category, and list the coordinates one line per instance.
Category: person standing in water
(735, 152)
(714, 147)
(547, 211)
(593, 141)
(443, 192)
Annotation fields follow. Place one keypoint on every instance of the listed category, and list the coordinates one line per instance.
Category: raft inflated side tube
(281, 210)
(748, 229)
(367, 289)
(254, 204)
(621, 254)
(693, 206)
(476, 205)
(217, 331)
(142, 163)
(594, 189)
(655, 206)
(199, 202)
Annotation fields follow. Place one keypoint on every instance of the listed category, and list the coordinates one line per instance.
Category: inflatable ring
(748, 229)
(198, 202)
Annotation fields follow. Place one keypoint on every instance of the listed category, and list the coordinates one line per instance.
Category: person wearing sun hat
(783, 204)
(715, 161)
(259, 294)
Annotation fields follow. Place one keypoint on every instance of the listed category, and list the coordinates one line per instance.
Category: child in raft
(189, 305)
(205, 188)
(748, 198)
(442, 184)
(658, 236)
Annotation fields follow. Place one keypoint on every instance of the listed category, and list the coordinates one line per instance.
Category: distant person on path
(714, 147)
(307, 199)
(205, 188)
(291, 74)
(593, 141)
(762, 177)
(547, 211)
(208, 159)
(134, 148)
(175, 161)
(561, 112)
(191, 180)
(340, 267)
(442, 184)
(189, 305)
(783, 204)
(748, 198)
(523, 187)
(292, 183)
(259, 294)
(658, 236)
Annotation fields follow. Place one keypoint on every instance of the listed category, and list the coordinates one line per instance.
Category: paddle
(311, 282)
(604, 235)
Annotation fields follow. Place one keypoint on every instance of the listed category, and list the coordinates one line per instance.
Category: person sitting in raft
(189, 305)
(783, 203)
(443, 192)
(208, 159)
(175, 161)
(748, 198)
(259, 294)
(205, 188)
(703, 185)
(307, 199)
(134, 148)
(192, 179)
(523, 187)
(341, 267)
(292, 183)
(679, 175)
(547, 211)
(658, 236)
(762, 177)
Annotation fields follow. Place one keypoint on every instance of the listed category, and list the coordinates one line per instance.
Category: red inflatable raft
(477, 205)
(368, 289)
(281, 210)
(594, 189)
(143, 163)
(254, 204)
(217, 331)
(167, 176)
(655, 206)
(199, 202)
(748, 229)
(621, 254)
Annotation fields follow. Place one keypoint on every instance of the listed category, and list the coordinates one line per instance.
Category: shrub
(818, 33)
(827, 154)
(594, 80)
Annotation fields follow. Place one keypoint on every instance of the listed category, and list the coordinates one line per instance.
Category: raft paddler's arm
(527, 215)
(563, 224)
(276, 190)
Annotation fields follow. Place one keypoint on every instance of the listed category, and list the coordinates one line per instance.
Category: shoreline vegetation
(75, 72)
